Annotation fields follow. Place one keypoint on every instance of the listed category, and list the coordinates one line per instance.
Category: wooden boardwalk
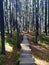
(25, 54)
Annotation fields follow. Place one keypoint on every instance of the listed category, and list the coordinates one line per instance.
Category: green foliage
(32, 33)
(44, 39)
(16, 59)
(14, 55)
(12, 39)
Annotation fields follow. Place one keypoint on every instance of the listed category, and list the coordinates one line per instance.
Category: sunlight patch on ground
(43, 44)
(8, 48)
(25, 47)
(40, 62)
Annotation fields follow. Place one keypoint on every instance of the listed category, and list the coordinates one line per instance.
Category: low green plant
(12, 39)
(16, 61)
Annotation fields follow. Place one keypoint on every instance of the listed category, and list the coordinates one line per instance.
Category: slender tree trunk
(40, 25)
(23, 23)
(11, 17)
(18, 36)
(37, 25)
(33, 15)
(13, 25)
(46, 17)
(2, 27)
(6, 17)
(18, 30)
(41, 15)
(26, 14)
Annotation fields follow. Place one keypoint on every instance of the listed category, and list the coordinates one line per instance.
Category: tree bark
(46, 17)
(2, 27)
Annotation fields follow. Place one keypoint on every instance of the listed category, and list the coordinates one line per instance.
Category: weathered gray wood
(27, 64)
(25, 53)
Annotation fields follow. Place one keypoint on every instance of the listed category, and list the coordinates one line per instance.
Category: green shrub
(32, 33)
(12, 39)
(16, 62)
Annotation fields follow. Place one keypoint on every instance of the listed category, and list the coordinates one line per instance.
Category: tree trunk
(37, 26)
(2, 27)
(18, 30)
(46, 17)
(11, 17)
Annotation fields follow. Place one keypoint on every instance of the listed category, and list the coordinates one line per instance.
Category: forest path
(25, 54)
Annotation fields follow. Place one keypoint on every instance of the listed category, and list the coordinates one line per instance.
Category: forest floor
(11, 56)
(12, 52)
(40, 54)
